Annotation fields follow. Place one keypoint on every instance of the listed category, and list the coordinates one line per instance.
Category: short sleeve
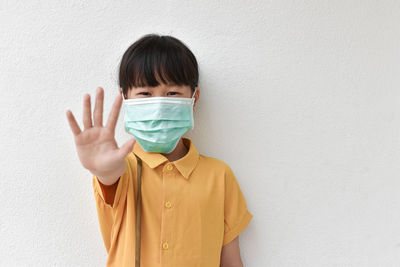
(106, 212)
(109, 195)
(236, 214)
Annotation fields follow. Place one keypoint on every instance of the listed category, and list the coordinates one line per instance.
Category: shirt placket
(167, 212)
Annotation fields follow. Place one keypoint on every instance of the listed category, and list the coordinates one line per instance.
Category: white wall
(301, 98)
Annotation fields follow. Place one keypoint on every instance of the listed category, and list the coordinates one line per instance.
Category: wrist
(110, 177)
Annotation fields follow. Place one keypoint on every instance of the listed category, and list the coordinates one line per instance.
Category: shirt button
(168, 204)
(169, 167)
(165, 245)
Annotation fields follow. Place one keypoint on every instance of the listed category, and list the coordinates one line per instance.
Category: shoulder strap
(138, 209)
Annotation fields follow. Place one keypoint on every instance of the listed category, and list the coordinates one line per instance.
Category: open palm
(96, 146)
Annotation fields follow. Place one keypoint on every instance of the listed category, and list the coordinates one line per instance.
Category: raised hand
(96, 146)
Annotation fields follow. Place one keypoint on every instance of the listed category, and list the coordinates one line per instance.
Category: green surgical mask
(157, 123)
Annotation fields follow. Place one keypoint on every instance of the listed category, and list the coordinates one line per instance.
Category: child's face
(163, 90)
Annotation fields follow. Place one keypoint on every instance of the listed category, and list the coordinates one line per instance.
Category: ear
(196, 96)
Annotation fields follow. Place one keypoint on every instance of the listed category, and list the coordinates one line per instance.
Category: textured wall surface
(300, 98)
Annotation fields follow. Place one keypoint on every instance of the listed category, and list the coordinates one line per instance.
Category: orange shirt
(191, 207)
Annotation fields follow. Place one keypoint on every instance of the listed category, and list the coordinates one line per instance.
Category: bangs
(154, 59)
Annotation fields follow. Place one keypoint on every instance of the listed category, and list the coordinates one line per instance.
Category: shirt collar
(185, 165)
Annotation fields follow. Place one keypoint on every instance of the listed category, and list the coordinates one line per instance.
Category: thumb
(127, 148)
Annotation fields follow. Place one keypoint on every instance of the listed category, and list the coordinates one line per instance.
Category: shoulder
(214, 165)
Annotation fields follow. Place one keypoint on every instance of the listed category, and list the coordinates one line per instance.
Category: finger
(113, 117)
(87, 116)
(72, 123)
(126, 148)
(98, 108)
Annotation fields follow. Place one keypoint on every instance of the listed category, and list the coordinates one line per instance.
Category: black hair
(158, 58)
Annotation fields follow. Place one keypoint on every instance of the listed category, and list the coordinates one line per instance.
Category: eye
(144, 93)
(172, 93)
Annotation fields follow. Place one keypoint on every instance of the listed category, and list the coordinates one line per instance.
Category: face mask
(157, 123)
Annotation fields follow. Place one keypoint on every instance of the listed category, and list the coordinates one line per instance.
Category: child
(192, 208)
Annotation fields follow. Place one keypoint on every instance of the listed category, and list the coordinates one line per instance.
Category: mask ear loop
(123, 97)
(194, 92)
(193, 99)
